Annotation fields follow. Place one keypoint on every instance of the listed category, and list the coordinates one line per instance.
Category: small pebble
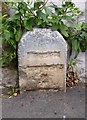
(55, 112)
(15, 94)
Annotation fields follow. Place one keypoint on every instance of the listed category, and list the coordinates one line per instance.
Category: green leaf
(18, 34)
(69, 18)
(39, 22)
(63, 26)
(76, 46)
(41, 15)
(37, 5)
(28, 25)
(24, 6)
(63, 29)
(12, 42)
(78, 27)
(84, 34)
(59, 11)
(64, 33)
(16, 16)
(55, 27)
(7, 34)
(15, 30)
(47, 11)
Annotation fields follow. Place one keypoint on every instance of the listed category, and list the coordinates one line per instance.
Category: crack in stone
(48, 52)
(44, 65)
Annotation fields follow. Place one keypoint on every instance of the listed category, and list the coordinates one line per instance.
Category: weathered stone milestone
(42, 60)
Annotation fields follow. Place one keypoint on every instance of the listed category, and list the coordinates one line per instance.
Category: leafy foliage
(78, 38)
(27, 16)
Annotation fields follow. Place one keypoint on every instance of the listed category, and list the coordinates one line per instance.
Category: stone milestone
(42, 60)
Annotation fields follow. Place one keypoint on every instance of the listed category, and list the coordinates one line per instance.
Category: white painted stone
(42, 60)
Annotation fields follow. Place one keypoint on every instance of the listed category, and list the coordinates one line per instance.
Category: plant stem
(43, 5)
